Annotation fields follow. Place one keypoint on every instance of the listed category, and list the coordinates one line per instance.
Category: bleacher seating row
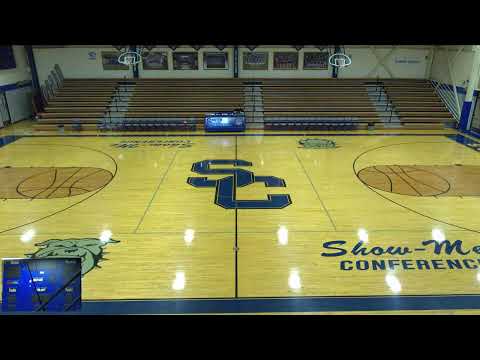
(312, 125)
(149, 125)
(307, 104)
(181, 104)
(413, 101)
(416, 102)
(99, 102)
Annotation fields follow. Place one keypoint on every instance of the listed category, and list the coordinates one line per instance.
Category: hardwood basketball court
(376, 218)
(241, 179)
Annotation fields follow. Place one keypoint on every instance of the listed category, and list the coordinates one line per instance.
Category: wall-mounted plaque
(407, 60)
(285, 61)
(255, 61)
(185, 61)
(155, 61)
(110, 61)
(315, 60)
(215, 60)
(7, 58)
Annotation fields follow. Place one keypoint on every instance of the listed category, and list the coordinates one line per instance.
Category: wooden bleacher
(307, 103)
(184, 98)
(299, 103)
(78, 100)
(415, 101)
(287, 103)
(87, 102)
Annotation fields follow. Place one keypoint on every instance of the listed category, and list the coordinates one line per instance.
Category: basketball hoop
(339, 60)
(129, 58)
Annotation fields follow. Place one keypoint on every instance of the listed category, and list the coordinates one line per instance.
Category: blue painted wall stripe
(10, 87)
(465, 115)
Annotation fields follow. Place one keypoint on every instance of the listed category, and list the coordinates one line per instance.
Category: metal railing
(4, 111)
(52, 84)
(448, 97)
(382, 98)
(253, 102)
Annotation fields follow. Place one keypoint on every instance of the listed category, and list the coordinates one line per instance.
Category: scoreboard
(225, 121)
(42, 284)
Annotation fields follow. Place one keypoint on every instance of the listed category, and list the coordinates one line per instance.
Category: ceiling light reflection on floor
(27, 236)
(189, 236)
(282, 235)
(393, 283)
(179, 282)
(362, 235)
(438, 235)
(105, 236)
(294, 281)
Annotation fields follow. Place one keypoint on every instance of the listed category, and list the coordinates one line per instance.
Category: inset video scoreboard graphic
(225, 121)
(41, 285)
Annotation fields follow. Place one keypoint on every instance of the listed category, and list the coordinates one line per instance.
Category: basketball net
(129, 58)
(340, 60)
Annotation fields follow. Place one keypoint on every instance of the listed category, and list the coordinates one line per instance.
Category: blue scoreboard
(225, 121)
(42, 284)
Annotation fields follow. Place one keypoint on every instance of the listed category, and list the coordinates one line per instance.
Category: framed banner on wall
(110, 61)
(255, 61)
(315, 60)
(215, 61)
(185, 61)
(155, 61)
(285, 61)
(7, 59)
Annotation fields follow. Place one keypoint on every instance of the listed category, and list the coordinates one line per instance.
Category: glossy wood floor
(158, 237)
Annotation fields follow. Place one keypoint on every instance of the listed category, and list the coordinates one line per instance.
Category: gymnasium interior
(240, 179)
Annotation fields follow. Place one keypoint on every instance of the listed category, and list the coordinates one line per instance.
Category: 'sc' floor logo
(225, 194)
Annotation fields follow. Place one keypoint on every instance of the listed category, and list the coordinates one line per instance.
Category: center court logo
(226, 188)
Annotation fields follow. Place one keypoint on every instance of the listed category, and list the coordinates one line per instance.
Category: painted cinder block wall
(461, 67)
(22, 70)
(75, 62)
(402, 62)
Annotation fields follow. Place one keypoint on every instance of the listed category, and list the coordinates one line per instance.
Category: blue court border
(281, 304)
(278, 305)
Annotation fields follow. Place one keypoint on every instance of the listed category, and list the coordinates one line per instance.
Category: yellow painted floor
(155, 236)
